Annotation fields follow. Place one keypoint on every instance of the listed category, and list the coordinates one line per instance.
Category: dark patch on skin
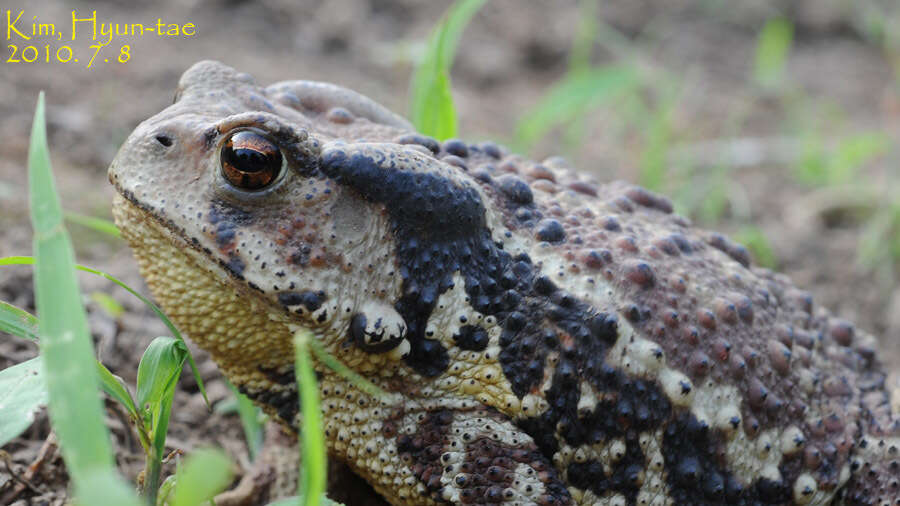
(285, 377)
(224, 212)
(690, 450)
(301, 255)
(311, 300)
(227, 219)
(441, 205)
(490, 466)
(209, 137)
(624, 478)
(285, 403)
(235, 266)
(471, 337)
(425, 447)
(439, 228)
(626, 407)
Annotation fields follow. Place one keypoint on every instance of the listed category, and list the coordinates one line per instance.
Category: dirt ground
(510, 55)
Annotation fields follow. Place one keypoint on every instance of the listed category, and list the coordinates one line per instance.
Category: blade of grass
(108, 304)
(158, 374)
(350, 375)
(159, 369)
(570, 97)
(26, 260)
(101, 225)
(18, 322)
(114, 386)
(756, 241)
(772, 47)
(294, 501)
(205, 473)
(312, 444)
(657, 141)
(580, 61)
(76, 411)
(75, 407)
(23, 393)
(585, 36)
(431, 107)
(166, 490)
(106, 488)
(249, 414)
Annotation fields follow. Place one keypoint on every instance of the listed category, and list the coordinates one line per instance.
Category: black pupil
(251, 160)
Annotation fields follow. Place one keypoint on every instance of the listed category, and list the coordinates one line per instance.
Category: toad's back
(542, 339)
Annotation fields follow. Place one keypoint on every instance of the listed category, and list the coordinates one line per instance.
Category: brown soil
(509, 56)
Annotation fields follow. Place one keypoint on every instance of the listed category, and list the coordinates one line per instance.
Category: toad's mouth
(165, 253)
(136, 220)
(242, 330)
(131, 215)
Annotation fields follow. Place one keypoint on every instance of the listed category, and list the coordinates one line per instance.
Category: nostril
(164, 139)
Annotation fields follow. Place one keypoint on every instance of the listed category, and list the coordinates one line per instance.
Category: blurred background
(775, 121)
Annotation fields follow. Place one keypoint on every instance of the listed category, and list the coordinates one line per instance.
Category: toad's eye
(250, 161)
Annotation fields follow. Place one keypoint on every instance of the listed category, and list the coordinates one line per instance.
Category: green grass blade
(348, 374)
(756, 241)
(571, 97)
(773, 44)
(312, 443)
(878, 246)
(294, 501)
(26, 260)
(166, 491)
(250, 416)
(159, 369)
(431, 108)
(18, 322)
(586, 34)
(23, 393)
(204, 474)
(106, 488)
(287, 501)
(76, 410)
(158, 374)
(101, 225)
(108, 304)
(114, 386)
(654, 164)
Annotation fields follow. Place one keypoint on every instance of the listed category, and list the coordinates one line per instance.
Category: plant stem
(151, 475)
